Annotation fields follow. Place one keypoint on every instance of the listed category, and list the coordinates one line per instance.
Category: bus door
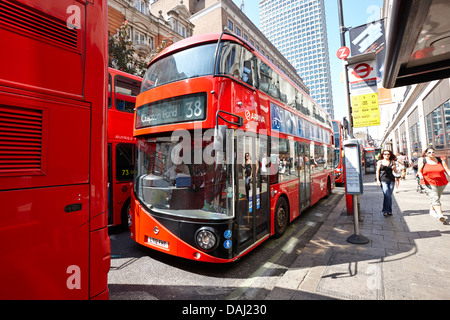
(252, 205)
(304, 175)
(110, 185)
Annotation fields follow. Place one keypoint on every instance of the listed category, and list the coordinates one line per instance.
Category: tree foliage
(122, 54)
(165, 42)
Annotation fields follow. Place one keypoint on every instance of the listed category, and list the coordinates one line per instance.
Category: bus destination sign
(173, 110)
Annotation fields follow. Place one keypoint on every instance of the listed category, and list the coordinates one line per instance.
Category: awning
(418, 48)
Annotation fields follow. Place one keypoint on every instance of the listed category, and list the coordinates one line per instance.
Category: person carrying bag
(431, 172)
(386, 180)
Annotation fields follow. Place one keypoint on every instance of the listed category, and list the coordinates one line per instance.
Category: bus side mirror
(220, 137)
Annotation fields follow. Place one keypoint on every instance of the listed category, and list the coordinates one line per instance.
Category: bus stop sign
(353, 172)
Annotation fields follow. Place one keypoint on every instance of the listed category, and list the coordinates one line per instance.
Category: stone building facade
(214, 16)
(147, 27)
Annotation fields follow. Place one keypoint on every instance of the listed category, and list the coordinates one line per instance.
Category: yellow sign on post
(365, 110)
(364, 94)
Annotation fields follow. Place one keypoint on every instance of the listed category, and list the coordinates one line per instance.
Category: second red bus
(339, 137)
(122, 91)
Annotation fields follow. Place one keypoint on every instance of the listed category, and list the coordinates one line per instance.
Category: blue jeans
(388, 188)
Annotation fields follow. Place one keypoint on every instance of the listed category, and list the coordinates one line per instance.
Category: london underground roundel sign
(362, 70)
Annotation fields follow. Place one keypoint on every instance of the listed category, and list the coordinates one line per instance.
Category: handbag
(447, 176)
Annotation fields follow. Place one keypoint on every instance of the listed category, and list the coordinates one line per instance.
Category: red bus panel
(53, 149)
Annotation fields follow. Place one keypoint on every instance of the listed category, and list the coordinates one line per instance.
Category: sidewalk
(408, 256)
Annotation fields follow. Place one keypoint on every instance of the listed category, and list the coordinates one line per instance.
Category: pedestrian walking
(405, 163)
(400, 161)
(415, 166)
(415, 163)
(432, 174)
(385, 178)
(398, 173)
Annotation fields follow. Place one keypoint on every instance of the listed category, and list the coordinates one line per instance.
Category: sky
(356, 13)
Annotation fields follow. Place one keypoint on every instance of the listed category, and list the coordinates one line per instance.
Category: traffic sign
(362, 70)
(362, 74)
(363, 92)
(365, 110)
(343, 53)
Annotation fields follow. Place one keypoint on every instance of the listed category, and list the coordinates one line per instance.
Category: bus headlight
(206, 238)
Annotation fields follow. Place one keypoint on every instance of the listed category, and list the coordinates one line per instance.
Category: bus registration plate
(158, 243)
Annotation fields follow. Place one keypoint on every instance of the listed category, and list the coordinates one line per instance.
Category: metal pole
(349, 103)
(356, 214)
(342, 30)
(357, 238)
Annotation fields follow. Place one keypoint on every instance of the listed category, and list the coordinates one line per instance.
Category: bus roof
(191, 41)
(214, 37)
(123, 73)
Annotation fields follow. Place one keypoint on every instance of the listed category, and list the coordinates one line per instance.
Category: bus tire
(281, 217)
(328, 188)
(124, 214)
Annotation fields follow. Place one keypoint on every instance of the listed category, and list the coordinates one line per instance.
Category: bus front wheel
(281, 217)
(125, 213)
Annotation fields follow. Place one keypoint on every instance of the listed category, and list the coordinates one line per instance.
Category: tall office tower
(297, 28)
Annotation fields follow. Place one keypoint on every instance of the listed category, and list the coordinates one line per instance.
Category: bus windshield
(190, 63)
(337, 158)
(169, 178)
(337, 135)
(126, 90)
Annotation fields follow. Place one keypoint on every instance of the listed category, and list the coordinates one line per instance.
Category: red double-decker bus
(339, 136)
(122, 91)
(229, 150)
(53, 225)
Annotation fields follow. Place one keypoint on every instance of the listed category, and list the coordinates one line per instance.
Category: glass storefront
(438, 129)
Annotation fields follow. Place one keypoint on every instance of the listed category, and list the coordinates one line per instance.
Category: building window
(141, 6)
(404, 142)
(429, 131)
(397, 140)
(414, 133)
(446, 107)
(230, 25)
(139, 37)
(151, 42)
(182, 31)
(435, 129)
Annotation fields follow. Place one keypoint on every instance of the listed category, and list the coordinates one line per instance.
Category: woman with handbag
(385, 179)
(432, 171)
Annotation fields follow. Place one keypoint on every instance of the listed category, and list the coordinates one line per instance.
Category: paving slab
(406, 257)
